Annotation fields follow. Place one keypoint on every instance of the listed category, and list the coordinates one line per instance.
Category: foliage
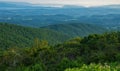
(95, 67)
(14, 35)
(92, 52)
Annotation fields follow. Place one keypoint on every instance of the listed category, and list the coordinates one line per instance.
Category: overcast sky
(70, 2)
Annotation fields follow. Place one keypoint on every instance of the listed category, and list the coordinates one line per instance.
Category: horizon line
(60, 5)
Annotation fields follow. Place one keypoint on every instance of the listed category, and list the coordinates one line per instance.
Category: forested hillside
(92, 53)
(14, 35)
(77, 29)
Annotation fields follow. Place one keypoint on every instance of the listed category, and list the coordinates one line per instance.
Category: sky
(70, 2)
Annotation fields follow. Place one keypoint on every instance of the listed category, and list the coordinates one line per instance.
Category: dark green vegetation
(77, 29)
(104, 48)
(55, 45)
(13, 35)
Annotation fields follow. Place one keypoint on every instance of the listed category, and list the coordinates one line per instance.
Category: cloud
(71, 2)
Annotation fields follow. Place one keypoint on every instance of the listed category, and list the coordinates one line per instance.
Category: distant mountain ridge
(72, 6)
(24, 4)
(26, 14)
(14, 4)
(110, 6)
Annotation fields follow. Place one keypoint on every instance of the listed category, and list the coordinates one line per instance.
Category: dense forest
(96, 52)
(16, 35)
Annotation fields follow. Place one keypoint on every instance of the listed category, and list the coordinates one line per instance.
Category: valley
(46, 37)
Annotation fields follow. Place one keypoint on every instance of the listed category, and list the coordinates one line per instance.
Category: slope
(76, 29)
(14, 35)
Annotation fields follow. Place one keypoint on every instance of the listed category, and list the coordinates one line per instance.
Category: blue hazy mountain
(38, 15)
(73, 6)
(109, 6)
(14, 4)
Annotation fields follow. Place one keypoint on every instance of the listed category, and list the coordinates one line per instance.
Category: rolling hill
(109, 21)
(14, 35)
(76, 29)
(26, 14)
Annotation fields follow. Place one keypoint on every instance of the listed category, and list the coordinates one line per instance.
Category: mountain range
(25, 22)
(24, 4)
(15, 35)
(31, 15)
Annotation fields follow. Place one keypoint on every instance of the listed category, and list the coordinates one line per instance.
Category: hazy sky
(71, 2)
